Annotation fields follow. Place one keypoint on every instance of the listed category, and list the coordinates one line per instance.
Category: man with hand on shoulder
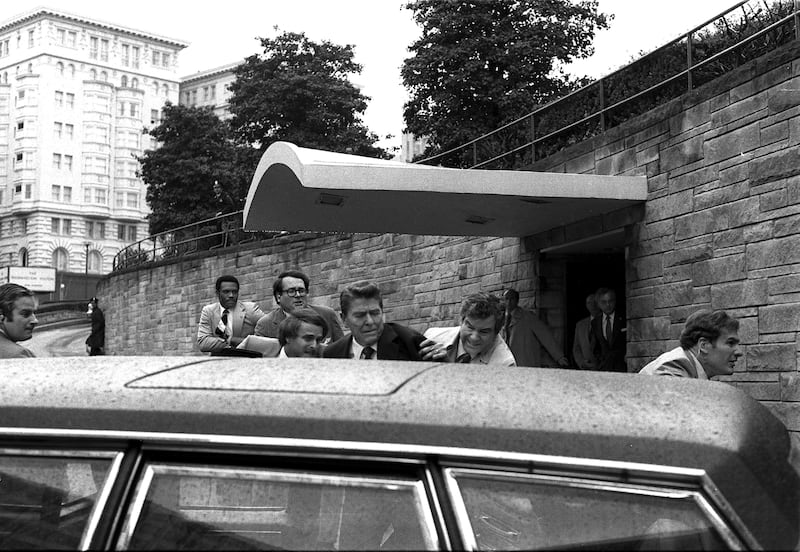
(224, 324)
(371, 337)
(17, 320)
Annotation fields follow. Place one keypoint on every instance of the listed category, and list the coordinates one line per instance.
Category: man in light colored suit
(224, 324)
(709, 347)
(290, 290)
(583, 345)
(17, 320)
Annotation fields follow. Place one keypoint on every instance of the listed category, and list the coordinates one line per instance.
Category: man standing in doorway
(17, 320)
(529, 339)
(709, 347)
(290, 290)
(224, 324)
(609, 333)
(584, 341)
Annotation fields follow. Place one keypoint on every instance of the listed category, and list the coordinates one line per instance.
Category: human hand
(432, 350)
(563, 362)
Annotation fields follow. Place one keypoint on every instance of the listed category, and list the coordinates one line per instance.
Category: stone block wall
(155, 311)
(721, 225)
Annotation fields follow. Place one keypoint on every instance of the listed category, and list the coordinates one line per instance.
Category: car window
(49, 502)
(213, 507)
(516, 512)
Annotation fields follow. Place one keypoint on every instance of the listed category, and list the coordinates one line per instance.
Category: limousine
(250, 454)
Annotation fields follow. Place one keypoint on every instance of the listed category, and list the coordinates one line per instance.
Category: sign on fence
(35, 279)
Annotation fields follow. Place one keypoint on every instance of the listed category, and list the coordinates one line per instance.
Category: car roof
(678, 422)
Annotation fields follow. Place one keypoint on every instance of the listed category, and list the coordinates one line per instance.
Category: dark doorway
(586, 273)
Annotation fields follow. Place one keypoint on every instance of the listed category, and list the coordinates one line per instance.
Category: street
(60, 341)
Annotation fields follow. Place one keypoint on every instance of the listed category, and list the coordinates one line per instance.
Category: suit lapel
(238, 318)
(387, 344)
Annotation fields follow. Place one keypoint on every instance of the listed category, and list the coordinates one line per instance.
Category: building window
(132, 233)
(93, 74)
(95, 262)
(134, 110)
(103, 76)
(96, 230)
(154, 117)
(69, 131)
(3, 48)
(165, 59)
(135, 57)
(28, 189)
(59, 98)
(205, 93)
(96, 133)
(58, 130)
(126, 232)
(132, 200)
(62, 227)
(30, 39)
(213, 91)
(156, 58)
(135, 83)
(61, 259)
(23, 257)
(18, 160)
(66, 38)
(55, 193)
(20, 128)
(70, 98)
(121, 111)
(95, 164)
(57, 161)
(94, 47)
(100, 196)
(124, 81)
(67, 194)
(126, 55)
(104, 49)
(120, 231)
(60, 68)
(68, 163)
(71, 71)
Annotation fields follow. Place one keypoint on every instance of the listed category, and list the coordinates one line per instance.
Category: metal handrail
(216, 232)
(529, 119)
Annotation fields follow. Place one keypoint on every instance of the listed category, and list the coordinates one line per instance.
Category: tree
(482, 63)
(195, 148)
(298, 91)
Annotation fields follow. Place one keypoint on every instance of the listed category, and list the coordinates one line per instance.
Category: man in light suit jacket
(290, 290)
(371, 337)
(709, 347)
(583, 344)
(224, 324)
(610, 333)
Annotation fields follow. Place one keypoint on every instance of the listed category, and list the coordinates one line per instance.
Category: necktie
(608, 328)
(222, 327)
(367, 353)
(507, 329)
(464, 358)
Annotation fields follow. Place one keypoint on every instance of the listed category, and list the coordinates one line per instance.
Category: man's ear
(703, 345)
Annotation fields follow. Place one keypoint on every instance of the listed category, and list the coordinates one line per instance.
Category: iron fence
(743, 32)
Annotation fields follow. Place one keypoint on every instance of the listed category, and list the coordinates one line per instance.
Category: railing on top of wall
(582, 114)
(687, 62)
(212, 233)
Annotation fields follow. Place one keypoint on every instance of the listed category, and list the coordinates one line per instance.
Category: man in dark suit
(371, 337)
(610, 333)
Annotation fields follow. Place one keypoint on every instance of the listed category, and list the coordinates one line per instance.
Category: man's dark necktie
(367, 353)
(464, 358)
(222, 327)
(608, 328)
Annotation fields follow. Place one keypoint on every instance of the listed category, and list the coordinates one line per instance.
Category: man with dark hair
(529, 339)
(17, 320)
(290, 290)
(709, 346)
(301, 334)
(609, 333)
(477, 340)
(371, 337)
(224, 324)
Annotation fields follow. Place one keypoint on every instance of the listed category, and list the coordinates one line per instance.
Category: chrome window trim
(399, 452)
(103, 493)
(438, 513)
(451, 474)
(330, 477)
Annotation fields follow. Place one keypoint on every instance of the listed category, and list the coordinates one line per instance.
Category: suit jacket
(267, 326)
(583, 345)
(245, 315)
(678, 362)
(610, 354)
(97, 339)
(530, 340)
(395, 343)
(12, 349)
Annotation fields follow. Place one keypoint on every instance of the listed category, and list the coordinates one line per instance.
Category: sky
(380, 30)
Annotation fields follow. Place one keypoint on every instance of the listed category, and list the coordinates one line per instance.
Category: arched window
(155, 87)
(71, 70)
(30, 68)
(134, 82)
(124, 81)
(95, 262)
(104, 76)
(93, 74)
(166, 89)
(23, 257)
(61, 259)
(60, 68)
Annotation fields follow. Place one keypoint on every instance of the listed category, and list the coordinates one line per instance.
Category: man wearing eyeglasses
(290, 290)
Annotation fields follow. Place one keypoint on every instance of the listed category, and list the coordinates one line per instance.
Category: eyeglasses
(295, 292)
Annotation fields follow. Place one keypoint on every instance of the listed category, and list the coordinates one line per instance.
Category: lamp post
(86, 271)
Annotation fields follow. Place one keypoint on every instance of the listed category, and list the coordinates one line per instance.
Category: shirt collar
(356, 349)
(282, 353)
(484, 356)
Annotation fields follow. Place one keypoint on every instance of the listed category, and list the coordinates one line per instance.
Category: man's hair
(708, 324)
(277, 285)
(483, 305)
(9, 293)
(359, 290)
(512, 294)
(226, 278)
(603, 291)
(290, 326)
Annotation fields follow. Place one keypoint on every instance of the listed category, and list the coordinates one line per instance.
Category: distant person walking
(17, 320)
(96, 342)
(709, 347)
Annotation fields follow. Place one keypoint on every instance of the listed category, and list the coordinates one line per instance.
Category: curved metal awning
(300, 189)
